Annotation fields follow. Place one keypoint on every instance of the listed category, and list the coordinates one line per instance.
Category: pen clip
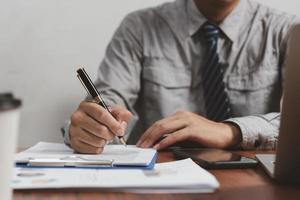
(83, 84)
(70, 161)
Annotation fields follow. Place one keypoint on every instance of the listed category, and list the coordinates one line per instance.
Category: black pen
(91, 89)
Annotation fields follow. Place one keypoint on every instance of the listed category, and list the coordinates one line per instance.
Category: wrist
(232, 134)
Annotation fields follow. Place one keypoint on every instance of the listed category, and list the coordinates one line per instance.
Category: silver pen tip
(122, 141)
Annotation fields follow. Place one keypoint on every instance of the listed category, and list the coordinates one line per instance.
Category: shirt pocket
(167, 77)
(165, 87)
(257, 92)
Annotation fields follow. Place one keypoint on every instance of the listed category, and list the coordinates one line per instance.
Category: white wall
(43, 42)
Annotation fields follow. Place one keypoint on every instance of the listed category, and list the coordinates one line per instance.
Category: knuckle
(98, 127)
(73, 132)
(189, 118)
(82, 105)
(76, 118)
(182, 112)
(179, 112)
(115, 127)
(104, 132)
(128, 114)
(102, 143)
(185, 113)
(98, 150)
(100, 114)
(75, 144)
(156, 124)
(99, 143)
(110, 136)
(102, 129)
(160, 126)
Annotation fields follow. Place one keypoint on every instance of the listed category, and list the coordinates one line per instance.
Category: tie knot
(211, 32)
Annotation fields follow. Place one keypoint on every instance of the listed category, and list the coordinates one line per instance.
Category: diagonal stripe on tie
(216, 99)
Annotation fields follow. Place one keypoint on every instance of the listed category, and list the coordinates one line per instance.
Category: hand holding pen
(93, 125)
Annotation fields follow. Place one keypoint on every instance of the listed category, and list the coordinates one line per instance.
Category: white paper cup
(9, 126)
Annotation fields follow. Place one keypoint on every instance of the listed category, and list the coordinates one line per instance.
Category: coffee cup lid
(8, 102)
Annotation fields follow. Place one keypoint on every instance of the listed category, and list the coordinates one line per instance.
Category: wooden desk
(252, 184)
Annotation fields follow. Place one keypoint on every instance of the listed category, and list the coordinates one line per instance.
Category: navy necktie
(216, 100)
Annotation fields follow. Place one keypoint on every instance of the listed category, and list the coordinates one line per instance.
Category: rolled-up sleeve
(259, 131)
(65, 132)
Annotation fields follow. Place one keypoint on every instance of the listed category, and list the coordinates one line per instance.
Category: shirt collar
(234, 22)
(230, 26)
(175, 14)
(195, 18)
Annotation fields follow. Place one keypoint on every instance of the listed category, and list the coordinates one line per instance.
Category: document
(182, 176)
(57, 154)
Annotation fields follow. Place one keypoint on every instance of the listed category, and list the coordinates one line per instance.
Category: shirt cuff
(258, 132)
(65, 132)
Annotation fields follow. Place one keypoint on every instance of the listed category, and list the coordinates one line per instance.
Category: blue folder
(101, 165)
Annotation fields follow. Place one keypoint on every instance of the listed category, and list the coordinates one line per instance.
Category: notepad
(182, 176)
(46, 154)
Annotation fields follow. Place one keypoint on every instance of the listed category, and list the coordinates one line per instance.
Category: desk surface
(252, 184)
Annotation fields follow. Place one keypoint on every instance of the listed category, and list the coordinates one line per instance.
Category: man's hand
(92, 126)
(184, 125)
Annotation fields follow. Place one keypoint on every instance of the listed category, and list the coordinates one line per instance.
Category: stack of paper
(129, 169)
(176, 177)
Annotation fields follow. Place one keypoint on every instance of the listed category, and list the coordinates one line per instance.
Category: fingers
(121, 113)
(160, 128)
(92, 126)
(92, 140)
(85, 142)
(173, 138)
(102, 116)
(153, 133)
(82, 147)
